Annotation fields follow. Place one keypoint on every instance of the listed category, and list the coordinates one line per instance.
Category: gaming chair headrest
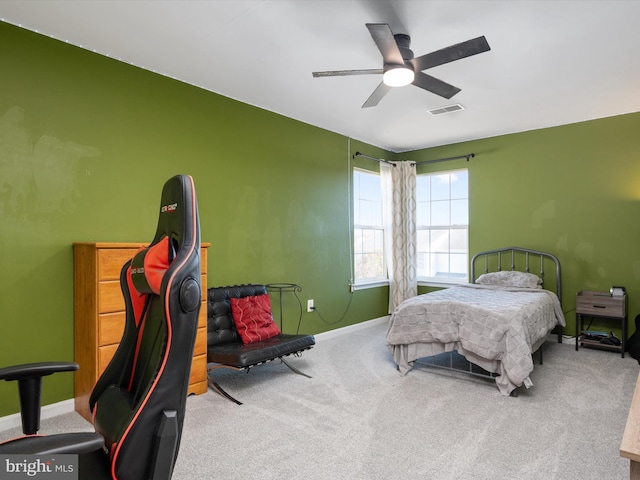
(177, 206)
(172, 237)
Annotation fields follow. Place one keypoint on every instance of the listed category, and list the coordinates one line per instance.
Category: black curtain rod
(467, 156)
(358, 154)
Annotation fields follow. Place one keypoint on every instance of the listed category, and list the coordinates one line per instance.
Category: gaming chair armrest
(41, 369)
(72, 443)
(29, 377)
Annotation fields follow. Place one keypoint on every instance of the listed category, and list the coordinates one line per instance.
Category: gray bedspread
(496, 328)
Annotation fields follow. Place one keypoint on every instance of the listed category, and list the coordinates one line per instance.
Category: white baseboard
(48, 411)
(350, 328)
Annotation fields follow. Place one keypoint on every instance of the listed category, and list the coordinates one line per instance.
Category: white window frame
(368, 282)
(450, 225)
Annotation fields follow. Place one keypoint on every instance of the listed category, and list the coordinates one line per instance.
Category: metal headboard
(519, 259)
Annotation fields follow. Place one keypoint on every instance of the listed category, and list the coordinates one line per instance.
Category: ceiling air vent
(449, 109)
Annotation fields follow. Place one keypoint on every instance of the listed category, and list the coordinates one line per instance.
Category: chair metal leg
(213, 384)
(222, 392)
(294, 368)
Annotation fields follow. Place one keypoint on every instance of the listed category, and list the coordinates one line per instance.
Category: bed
(495, 323)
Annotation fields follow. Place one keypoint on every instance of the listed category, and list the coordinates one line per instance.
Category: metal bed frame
(519, 259)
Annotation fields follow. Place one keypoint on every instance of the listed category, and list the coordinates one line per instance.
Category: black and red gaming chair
(138, 403)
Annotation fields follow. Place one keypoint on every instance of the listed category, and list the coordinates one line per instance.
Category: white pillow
(510, 279)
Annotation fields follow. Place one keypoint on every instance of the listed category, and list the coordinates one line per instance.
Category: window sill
(431, 283)
(421, 283)
(364, 286)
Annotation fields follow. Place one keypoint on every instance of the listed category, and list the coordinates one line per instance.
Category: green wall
(86, 143)
(572, 190)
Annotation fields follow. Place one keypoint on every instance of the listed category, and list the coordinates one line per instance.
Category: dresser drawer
(111, 261)
(110, 297)
(198, 369)
(110, 328)
(105, 354)
(202, 316)
(200, 348)
(600, 304)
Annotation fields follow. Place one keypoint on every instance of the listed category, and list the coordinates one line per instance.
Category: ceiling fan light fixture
(397, 76)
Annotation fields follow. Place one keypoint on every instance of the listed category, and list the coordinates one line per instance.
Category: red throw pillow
(253, 319)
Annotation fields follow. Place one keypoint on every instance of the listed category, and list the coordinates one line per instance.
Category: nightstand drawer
(600, 304)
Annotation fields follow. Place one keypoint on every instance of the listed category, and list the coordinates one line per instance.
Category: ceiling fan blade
(434, 85)
(383, 36)
(452, 53)
(344, 73)
(380, 91)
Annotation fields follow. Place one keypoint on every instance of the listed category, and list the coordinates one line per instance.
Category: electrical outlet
(310, 307)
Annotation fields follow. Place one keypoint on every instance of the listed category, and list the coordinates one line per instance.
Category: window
(368, 230)
(443, 226)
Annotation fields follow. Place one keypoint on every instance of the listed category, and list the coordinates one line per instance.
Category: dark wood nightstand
(601, 304)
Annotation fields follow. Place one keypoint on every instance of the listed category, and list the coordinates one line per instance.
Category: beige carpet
(357, 418)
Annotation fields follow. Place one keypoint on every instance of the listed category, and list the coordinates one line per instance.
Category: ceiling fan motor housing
(404, 41)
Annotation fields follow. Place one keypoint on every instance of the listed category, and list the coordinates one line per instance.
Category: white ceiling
(551, 62)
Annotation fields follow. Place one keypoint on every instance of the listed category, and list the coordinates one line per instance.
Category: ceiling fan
(400, 68)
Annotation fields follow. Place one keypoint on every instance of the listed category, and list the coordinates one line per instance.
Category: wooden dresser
(100, 317)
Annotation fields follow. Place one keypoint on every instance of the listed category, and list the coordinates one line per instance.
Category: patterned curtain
(399, 216)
